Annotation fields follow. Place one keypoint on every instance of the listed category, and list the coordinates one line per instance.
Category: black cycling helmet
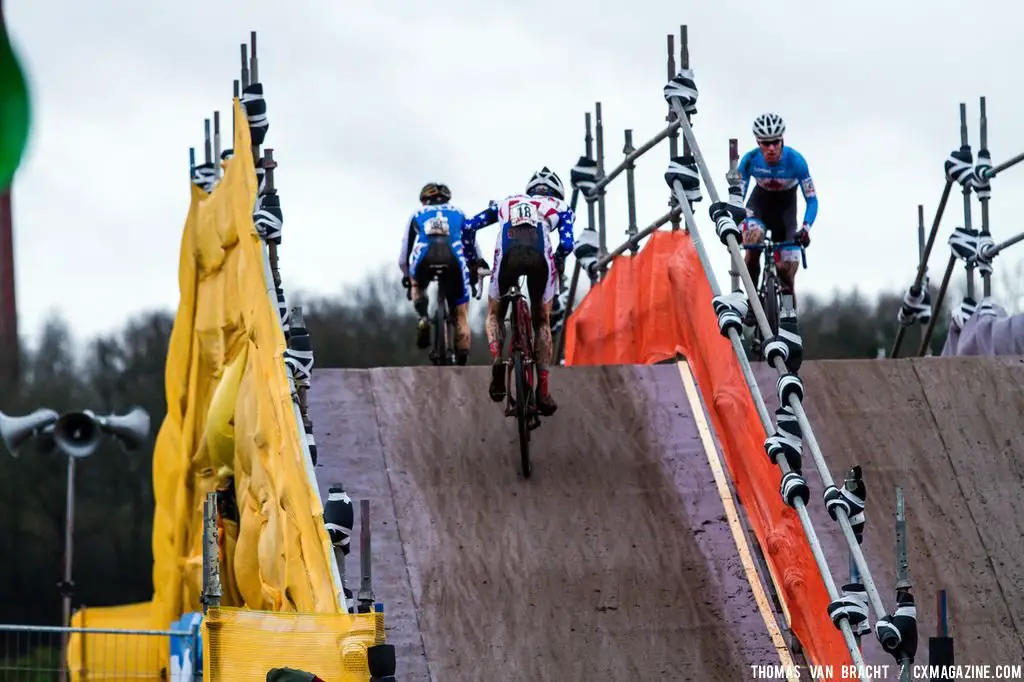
(435, 193)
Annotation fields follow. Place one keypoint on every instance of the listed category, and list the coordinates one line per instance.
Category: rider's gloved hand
(406, 282)
(560, 262)
(803, 237)
(477, 269)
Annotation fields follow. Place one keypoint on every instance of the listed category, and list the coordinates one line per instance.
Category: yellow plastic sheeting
(230, 413)
(241, 645)
(234, 417)
(100, 656)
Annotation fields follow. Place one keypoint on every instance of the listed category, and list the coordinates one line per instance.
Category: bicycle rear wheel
(440, 353)
(450, 331)
(522, 412)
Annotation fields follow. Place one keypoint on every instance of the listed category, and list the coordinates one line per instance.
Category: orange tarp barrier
(649, 308)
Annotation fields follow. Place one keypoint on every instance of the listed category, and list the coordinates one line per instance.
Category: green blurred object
(15, 113)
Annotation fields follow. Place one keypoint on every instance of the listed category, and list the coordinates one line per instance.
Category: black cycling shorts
(440, 252)
(522, 259)
(777, 210)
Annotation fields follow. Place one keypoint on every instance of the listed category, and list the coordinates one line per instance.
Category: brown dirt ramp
(603, 566)
(948, 430)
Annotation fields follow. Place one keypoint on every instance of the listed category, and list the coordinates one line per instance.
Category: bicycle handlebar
(769, 245)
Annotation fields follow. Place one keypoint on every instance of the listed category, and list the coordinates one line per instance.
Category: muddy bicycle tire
(522, 412)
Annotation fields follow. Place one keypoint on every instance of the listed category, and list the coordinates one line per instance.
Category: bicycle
(520, 372)
(443, 324)
(770, 290)
(443, 351)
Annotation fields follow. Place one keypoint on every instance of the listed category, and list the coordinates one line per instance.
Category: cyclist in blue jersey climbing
(433, 236)
(777, 171)
(522, 250)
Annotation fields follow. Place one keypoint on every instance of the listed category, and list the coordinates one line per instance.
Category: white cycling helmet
(769, 126)
(547, 182)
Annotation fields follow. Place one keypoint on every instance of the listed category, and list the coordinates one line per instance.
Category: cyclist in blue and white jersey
(777, 171)
(433, 236)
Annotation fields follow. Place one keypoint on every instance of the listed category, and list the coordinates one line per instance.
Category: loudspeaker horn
(16, 430)
(129, 429)
(77, 434)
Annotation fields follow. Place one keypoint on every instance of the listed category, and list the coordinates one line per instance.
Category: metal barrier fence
(851, 607)
(32, 653)
(975, 248)
(590, 178)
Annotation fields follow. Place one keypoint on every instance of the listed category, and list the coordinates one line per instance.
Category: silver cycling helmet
(547, 183)
(769, 126)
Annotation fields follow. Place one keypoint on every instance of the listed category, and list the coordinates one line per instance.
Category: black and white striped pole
(917, 303)
(734, 179)
(583, 178)
(983, 190)
(216, 147)
(854, 489)
(963, 242)
(339, 518)
(631, 227)
(602, 225)
(940, 647)
(897, 632)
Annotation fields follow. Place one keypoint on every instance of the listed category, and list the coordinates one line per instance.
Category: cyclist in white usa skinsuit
(525, 249)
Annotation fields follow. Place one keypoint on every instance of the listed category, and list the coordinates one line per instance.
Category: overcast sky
(367, 101)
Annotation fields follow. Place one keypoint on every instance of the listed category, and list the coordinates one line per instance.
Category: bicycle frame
(443, 352)
(773, 300)
(520, 340)
(520, 397)
(520, 367)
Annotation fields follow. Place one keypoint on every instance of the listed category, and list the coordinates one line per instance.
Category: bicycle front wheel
(771, 302)
(522, 412)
